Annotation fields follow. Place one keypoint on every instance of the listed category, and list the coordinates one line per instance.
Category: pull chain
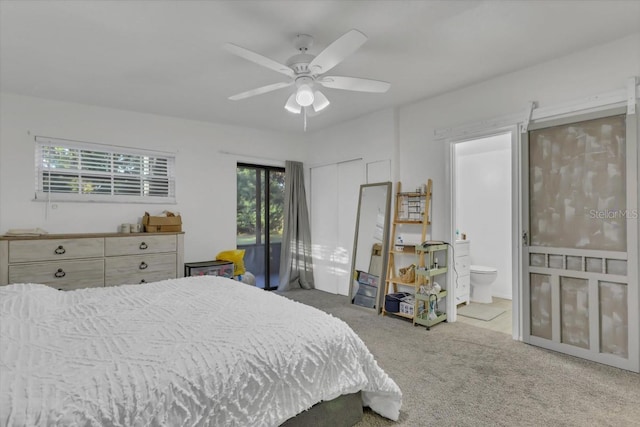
(305, 118)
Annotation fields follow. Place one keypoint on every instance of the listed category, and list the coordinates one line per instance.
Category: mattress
(197, 351)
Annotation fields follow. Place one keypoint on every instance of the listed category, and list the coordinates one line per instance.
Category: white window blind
(82, 171)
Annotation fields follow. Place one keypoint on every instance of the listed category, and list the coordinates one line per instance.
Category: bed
(197, 351)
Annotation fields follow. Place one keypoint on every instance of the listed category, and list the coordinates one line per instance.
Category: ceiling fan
(307, 73)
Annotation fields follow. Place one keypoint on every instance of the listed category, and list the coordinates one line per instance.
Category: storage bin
(367, 290)
(365, 301)
(407, 306)
(368, 279)
(209, 268)
(392, 301)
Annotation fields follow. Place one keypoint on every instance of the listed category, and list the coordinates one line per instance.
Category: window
(79, 171)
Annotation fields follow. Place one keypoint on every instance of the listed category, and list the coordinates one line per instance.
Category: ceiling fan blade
(259, 59)
(354, 83)
(260, 90)
(333, 54)
(292, 106)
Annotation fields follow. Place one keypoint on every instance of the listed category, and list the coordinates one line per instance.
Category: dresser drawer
(462, 285)
(65, 275)
(462, 248)
(55, 249)
(463, 265)
(139, 269)
(142, 244)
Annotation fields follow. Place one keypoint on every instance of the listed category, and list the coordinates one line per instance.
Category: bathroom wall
(483, 204)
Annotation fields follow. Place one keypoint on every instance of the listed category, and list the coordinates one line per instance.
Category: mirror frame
(385, 247)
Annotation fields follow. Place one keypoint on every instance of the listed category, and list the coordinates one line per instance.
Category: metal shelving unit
(435, 262)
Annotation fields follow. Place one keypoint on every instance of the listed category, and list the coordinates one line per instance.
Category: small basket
(408, 274)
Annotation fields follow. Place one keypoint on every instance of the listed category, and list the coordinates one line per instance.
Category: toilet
(481, 279)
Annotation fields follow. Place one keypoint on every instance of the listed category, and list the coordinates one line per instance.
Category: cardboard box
(163, 224)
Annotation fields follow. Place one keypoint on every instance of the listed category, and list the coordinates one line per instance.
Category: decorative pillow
(236, 256)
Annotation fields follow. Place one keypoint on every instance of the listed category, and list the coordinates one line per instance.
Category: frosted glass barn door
(580, 250)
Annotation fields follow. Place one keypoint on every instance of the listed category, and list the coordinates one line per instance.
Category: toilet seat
(481, 269)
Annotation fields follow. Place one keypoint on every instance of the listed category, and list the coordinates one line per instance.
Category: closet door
(580, 214)
(334, 192)
(350, 176)
(324, 226)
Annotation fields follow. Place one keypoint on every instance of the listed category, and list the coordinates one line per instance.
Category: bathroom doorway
(484, 214)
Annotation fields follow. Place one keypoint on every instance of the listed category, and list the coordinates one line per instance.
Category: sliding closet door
(580, 249)
(324, 226)
(334, 202)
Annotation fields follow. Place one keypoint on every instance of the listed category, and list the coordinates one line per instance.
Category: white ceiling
(166, 57)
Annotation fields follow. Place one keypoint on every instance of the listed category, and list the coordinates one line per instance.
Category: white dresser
(462, 273)
(73, 261)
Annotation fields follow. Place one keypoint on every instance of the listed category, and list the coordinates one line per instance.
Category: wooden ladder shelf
(412, 209)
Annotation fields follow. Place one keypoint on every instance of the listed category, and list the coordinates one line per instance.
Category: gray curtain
(296, 264)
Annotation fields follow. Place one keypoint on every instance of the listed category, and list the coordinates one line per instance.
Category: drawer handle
(143, 246)
(60, 250)
(60, 273)
(143, 265)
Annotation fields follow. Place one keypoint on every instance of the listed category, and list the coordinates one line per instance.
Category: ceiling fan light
(304, 95)
(320, 101)
(292, 105)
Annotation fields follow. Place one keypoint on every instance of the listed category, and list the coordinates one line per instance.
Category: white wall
(483, 204)
(206, 179)
(371, 137)
(586, 73)
(405, 136)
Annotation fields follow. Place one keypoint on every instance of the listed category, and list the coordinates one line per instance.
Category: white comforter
(203, 351)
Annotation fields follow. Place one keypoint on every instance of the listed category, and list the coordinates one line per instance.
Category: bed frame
(343, 411)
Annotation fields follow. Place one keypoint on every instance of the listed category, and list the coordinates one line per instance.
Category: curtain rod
(250, 156)
(45, 138)
(335, 163)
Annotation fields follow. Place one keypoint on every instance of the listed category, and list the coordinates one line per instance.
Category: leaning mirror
(370, 246)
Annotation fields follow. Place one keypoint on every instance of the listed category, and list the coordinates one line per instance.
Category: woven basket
(408, 274)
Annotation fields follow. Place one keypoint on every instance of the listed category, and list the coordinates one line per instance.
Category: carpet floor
(461, 375)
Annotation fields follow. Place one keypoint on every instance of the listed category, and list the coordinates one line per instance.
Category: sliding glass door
(260, 220)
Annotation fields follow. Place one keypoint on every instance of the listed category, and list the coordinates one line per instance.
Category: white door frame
(516, 229)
